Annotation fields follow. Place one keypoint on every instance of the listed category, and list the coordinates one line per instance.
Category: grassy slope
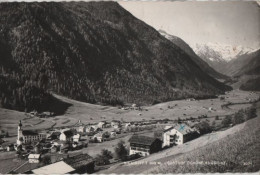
(237, 144)
(240, 151)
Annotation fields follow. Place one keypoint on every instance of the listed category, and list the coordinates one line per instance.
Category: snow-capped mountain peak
(220, 52)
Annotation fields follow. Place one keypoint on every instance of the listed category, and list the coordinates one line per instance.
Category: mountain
(248, 71)
(201, 63)
(92, 52)
(218, 55)
(249, 65)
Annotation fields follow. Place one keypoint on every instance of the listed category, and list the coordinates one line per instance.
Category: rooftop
(183, 128)
(68, 133)
(34, 156)
(77, 161)
(29, 132)
(55, 168)
(144, 140)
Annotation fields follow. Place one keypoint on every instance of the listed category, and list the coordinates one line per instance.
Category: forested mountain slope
(91, 51)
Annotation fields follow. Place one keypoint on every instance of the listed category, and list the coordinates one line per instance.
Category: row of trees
(120, 152)
(240, 116)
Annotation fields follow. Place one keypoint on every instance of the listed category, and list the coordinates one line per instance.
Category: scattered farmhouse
(115, 123)
(27, 136)
(178, 134)
(99, 137)
(80, 127)
(90, 128)
(101, 124)
(144, 145)
(67, 135)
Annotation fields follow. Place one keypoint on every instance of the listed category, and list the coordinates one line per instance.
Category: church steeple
(20, 125)
(19, 133)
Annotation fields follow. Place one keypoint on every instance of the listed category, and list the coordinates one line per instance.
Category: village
(87, 147)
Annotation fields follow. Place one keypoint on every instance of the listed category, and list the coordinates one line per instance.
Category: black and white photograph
(129, 87)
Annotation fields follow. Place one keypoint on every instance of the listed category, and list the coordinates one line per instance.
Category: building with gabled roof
(144, 145)
(55, 168)
(27, 136)
(178, 135)
(34, 158)
(67, 135)
(82, 163)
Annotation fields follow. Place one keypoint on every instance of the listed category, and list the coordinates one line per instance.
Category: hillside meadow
(238, 152)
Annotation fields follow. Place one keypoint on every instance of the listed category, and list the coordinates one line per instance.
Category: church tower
(19, 134)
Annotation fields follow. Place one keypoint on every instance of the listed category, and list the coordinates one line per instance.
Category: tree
(239, 117)
(106, 153)
(104, 158)
(251, 113)
(6, 134)
(203, 127)
(226, 121)
(46, 160)
(121, 151)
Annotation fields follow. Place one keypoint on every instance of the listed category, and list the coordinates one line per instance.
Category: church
(28, 136)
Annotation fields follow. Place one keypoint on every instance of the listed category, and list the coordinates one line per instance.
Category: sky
(233, 23)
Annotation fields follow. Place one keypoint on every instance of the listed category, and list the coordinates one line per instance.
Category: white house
(101, 124)
(76, 138)
(66, 135)
(81, 129)
(178, 135)
(90, 128)
(34, 158)
(127, 125)
(99, 137)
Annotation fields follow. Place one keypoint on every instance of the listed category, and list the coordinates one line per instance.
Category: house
(82, 163)
(90, 129)
(178, 135)
(28, 136)
(127, 125)
(113, 134)
(10, 147)
(76, 138)
(67, 135)
(144, 145)
(115, 123)
(81, 129)
(99, 137)
(101, 124)
(55, 168)
(34, 158)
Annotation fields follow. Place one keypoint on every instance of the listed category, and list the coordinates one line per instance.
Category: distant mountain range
(218, 55)
(185, 47)
(241, 63)
(92, 52)
(246, 70)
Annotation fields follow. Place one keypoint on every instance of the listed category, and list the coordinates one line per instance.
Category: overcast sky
(235, 23)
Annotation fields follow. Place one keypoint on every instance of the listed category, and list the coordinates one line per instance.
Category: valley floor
(234, 150)
(89, 113)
